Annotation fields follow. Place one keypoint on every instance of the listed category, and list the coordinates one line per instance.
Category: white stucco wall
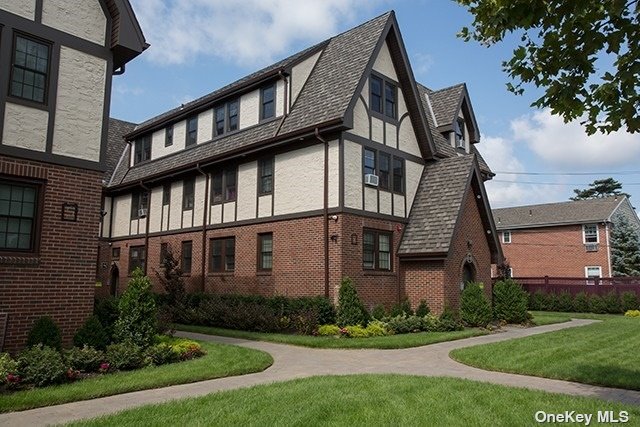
(25, 127)
(216, 214)
(249, 109)
(370, 199)
(299, 180)
(413, 174)
(229, 212)
(398, 205)
(121, 215)
(198, 200)
(205, 126)
(175, 216)
(79, 108)
(408, 141)
(385, 202)
(82, 18)
(24, 8)
(360, 120)
(300, 73)
(334, 174)
(384, 64)
(155, 210)
(105, 225)
(391, 135)
(247, 190)
(264, 206)
(377, 132)
(279, 98)
(352, 175)
(187, 218)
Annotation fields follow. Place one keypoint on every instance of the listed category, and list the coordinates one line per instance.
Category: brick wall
(60, 280)
(554, 251)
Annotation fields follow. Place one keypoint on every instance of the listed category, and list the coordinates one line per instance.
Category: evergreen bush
(629, 301)
(379, 312)
(422, 309)
(45, 331)
(565, 302)
(350, 311)
(581, 303)
(475, 310)
(136, 323)
(106, 310)
(612, 303)
(597, 304)
(92, 334)
(510, 302)
(125, 356)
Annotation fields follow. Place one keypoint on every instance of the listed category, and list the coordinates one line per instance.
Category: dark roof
(436, 206)
(115, 144)
(445, 103)
(572, 212)
(127, 40)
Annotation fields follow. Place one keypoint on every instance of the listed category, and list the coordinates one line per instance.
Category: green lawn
(541, 318)
(359, 400)
(220, 361)
(387, 342)
(605, 353)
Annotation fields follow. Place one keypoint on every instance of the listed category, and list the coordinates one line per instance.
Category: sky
(198, 46)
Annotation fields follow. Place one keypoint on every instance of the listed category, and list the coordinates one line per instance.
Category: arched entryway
(468, 274)
(113, 280)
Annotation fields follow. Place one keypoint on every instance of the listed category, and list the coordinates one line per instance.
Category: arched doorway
(468, 274)
(113, 280)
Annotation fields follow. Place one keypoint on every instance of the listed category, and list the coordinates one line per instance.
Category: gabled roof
(562, 213)
(446, 103)
(115, 144)
(127, 40)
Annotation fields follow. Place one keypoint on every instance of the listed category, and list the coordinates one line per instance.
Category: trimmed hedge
(583, 303)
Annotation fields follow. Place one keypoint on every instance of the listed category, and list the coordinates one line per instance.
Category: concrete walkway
(292, 362)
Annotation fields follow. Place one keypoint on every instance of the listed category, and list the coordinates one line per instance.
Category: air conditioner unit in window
(142, 212)
(591, 247)
(371, 179)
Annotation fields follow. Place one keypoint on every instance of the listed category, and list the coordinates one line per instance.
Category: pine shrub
(612, 303)
(422, 309)
(581, 303)
(351, 312)
(509, 302)
(597, 304)
(106, 310)
(92, 334)
(136, 323)
(379, 312)
(45, 331)
(401, 308)
(475, 310)
(565, 302)
(538, 301)
(449, 321)
(629, 301)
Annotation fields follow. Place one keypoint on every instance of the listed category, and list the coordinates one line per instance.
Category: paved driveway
(292, 362)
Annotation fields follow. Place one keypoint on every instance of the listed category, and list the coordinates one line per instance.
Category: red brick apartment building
(333, 162)
(566, 239)
(57, 59)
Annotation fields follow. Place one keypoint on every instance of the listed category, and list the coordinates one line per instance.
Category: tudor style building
(57, 58)
(333, 162)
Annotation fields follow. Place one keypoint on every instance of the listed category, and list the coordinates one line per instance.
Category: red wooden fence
(575, 285)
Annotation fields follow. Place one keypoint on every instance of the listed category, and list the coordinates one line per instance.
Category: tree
(625, 248)
(171, 279)
(600, 188)
(136, 322)
(566, 48)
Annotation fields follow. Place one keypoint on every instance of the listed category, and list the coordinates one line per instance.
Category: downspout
(203, 263)
(146, 229)
(325, 210)
(606, 231)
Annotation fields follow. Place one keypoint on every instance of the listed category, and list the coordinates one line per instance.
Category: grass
(541, 318)
(220, 361)
(365, 400)
(603, 353)
(388, 342)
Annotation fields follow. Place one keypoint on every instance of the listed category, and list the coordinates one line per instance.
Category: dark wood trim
(376, 250)
(53, 99)
(374, 215)
(259, 266)
(222, 270)
(36, 229)
(378, 146)
(261, 118)
(5, 70)
(38, 12)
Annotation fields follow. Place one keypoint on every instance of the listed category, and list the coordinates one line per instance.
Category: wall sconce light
(334, 238)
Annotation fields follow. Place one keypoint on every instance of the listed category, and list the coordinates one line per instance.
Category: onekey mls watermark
(575, 417)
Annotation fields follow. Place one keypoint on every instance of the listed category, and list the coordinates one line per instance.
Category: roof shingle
(115, 144)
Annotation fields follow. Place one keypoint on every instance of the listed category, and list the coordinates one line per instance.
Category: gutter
(325, 214)
(203, 263)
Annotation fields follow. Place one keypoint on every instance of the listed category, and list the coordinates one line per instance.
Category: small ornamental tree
(136, 323)
(171, 279)
(510, 302)
(475, 310)
(351, 311)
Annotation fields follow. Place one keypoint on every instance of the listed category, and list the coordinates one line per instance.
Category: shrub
(378, 312)
(125, 356)
(356, 331)
(161, 354)
(629, 301)
(538, 301)
(187, 349)
(474, 307)
(171, 279)
(404, 324)
(552, 302)
(350, 308)
(449, 321)
(581, 303)
(510, 301)
(106, 310)
(632, 313)
(41, 365)
(305, 322)
(328, 330)
(423, 309)
(8, 366)
(92, 334)
(376, 329)
(45, 331)
(402, 308)
(431, 323)
(612, 303)
(564, 302)
(85, 359)
(137, 312)
(597, 304)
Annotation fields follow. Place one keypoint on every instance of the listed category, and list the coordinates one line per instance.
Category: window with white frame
(590, 233)
(506, 237)
(593, 271)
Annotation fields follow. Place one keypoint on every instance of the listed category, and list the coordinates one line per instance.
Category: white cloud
(422, 63)
(245, 32)
(567, 145)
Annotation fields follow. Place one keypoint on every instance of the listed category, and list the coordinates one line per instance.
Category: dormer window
(390, 100)
(267, 103)
(459, 130)
(232, 111)
(383, 96)
(142, 149)
(168, 136)
(192, 131)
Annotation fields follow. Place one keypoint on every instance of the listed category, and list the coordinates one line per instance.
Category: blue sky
(198, 46)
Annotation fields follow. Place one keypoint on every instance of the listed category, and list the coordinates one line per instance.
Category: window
(376, 94)
(510, 273)
(142, 149)
(168, 136)
(166, 194)
(139, 204)
(591, 272)
(18, 216)
(398, 175)
(265, 174)
(506, 237)
(590, 233)
(267, 96)
(164, 251)
(384, 170)
(186, 257)
(137, 258)
(369, 162)
(390, 100)
(115, 253)
(223, 255)
(29, 74)
(459, 131)
(376, 250)
(232, 112)
(219, 118)
(265, 251)
(188, 189)
(192, 131)
(223, 186)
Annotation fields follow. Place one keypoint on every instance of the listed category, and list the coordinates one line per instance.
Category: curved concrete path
(292, 362)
